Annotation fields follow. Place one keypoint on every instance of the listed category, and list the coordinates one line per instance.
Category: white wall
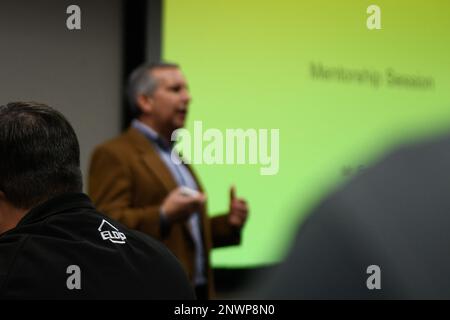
(77, 72)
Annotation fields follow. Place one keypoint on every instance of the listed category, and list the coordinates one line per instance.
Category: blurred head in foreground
(385, 235)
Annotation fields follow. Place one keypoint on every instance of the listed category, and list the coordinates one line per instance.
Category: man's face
(170, 100)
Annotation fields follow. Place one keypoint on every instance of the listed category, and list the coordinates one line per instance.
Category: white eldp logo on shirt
(111, 233)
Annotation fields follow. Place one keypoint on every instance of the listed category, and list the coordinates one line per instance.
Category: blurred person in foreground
(384, 235)
(134, 180)
(53, 243)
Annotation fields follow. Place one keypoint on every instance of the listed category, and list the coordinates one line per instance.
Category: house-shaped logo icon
(111, 233)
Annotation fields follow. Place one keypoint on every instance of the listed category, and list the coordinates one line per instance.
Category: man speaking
(134, 179)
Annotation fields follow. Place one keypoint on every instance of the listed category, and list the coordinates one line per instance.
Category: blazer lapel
(156, 165)
(152, 159)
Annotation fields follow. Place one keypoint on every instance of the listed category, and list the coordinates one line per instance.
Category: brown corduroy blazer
(128, 181)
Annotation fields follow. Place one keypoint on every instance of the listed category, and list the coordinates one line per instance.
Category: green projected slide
(340, 91)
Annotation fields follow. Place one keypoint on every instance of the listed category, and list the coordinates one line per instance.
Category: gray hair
(141, 82)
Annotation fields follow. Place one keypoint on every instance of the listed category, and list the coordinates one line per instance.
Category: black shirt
(65, 249)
